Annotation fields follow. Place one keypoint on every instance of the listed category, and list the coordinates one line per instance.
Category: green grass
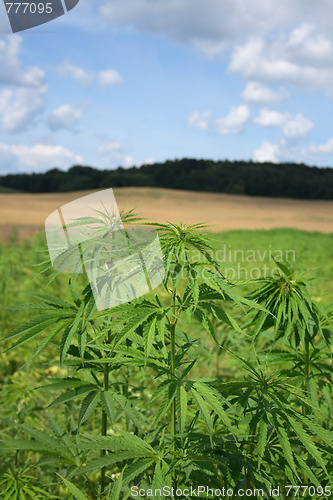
(309, 252)
(242, 252)
(19, 266)
(312, 253)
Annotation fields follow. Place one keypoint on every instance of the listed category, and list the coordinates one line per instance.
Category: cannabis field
(218, 383)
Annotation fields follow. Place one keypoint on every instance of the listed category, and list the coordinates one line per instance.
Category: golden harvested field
(28, 212)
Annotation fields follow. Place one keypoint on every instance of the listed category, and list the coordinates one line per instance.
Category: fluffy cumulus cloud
(302, 57)
(70, 70)
(267, 152)
(292, 43)
(36, 158)
(23, 96)
(213, 21)
(104, 77)
(293, 126)
(235, 121)
(20, 107)
(64, 117)
(284, 149)
(326, 148)
(199, 120)
(297, 126)
(12, 70)
(258, 93)
(268, 118)
(110, 148)
(111, 154)
(110, 77)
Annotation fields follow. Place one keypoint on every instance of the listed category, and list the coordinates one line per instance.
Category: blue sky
(125, 82)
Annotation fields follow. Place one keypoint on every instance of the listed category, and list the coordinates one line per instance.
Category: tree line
(287, 180)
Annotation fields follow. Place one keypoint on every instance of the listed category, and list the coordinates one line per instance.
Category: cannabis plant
(131, 407)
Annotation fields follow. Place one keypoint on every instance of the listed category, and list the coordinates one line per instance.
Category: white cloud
(113, 154)
(129, 161)
(110, 77)
(24, 100)
(148, 161)
(268, 118)
(234, 122)
(79, 74)
(4, 21)
(110, 147)
(297, 126)
(37, 158)
(309, 45)
(199, 120)
(326, 148)
(293, 127)
(20, 107)
(214, 25)
(286, 58)
(258, 93)
(284, 149)
(268, 152)
(12, 70)
(64, 117)
(105, 77)
(7, 161)
(292, 43)
(213, 20)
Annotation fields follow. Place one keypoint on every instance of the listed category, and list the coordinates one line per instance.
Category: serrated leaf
(204, 410)
(285, 443)
(136, 469)
(129, 410)
(88, 405)
(169, 392)
(284, 268)
(61, 434)
(215, 402)
(110, 459)
(108, 405)
(306, 470)
(78, 495)
(116, 488)
(72, 394)
(181, 405)
(51, 300)
(61, 383)
(307, 441)
(149, 332)
(133, 318)
(69, 333)
(125, 441)
(262, 439)
(158, 480)
(37, 324)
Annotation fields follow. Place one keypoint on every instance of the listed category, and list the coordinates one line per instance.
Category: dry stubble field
(28, 212)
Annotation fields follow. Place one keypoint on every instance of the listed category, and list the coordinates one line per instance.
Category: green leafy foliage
(202, 381)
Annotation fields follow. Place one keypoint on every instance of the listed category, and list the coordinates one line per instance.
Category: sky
(127, 82)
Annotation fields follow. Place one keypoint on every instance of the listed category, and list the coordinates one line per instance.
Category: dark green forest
(287, 180)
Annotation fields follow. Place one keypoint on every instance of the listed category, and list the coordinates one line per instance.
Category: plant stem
(307, 373)
(126, 394)
(104, 416)
(173, 376)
